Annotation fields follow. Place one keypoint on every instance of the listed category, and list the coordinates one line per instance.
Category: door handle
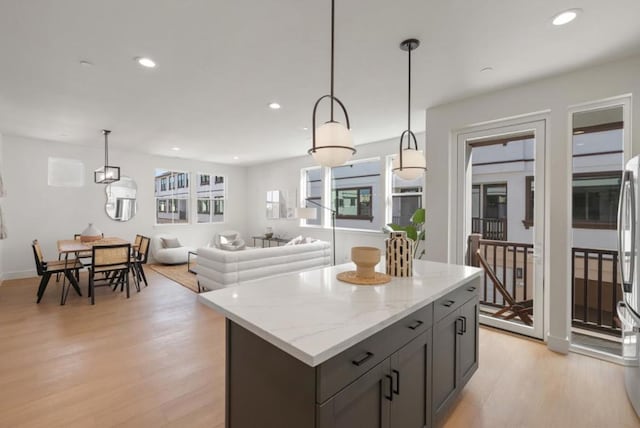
(459, 326)
(448, 303)
(416, 324)
(396, 389)
(390, 396)
(362, 360)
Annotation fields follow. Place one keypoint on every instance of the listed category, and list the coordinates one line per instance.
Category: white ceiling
(221, 62)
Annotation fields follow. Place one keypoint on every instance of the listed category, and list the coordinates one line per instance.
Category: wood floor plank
(157, 360)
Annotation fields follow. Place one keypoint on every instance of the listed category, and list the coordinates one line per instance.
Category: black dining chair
(110, 264)
(47, 268)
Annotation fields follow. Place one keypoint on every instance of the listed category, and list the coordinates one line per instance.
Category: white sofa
(219, 268)
(168, 256)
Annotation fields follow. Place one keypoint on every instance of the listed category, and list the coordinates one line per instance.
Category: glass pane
(313, 191)
(355, 190)
(403, 207)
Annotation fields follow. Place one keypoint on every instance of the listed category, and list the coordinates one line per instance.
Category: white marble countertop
(313, 316)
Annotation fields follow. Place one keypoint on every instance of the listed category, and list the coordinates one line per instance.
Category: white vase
(91, 233)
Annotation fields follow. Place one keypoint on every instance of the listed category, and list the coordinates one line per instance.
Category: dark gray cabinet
(455, 353)
(364, 403)
(400, 377)
(394, 394)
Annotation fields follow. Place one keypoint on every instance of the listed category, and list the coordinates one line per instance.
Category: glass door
(501, 212)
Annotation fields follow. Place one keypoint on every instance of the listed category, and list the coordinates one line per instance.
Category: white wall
(35, 210)
(2, 204)
(556, 94)
(285, 175)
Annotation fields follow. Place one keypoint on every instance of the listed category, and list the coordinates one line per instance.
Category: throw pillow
(170, 243)
(295, 241)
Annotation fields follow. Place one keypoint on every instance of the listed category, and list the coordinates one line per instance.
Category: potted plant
(415, 231)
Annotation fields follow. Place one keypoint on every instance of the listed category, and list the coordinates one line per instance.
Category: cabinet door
(364, 403)
(410, 371)
(446, 343)
(469, 341)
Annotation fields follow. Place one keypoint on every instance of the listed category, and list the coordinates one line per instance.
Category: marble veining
(313, 316)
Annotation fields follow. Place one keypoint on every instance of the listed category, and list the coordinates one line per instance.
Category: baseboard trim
(19, 274)
(558, 344)
(600, 355)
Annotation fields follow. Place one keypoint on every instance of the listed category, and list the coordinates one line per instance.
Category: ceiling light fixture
(107, 174)
(146, 62)
(410, 162)
(175, 149)
(236, 158)
(274, 106)
(565, 17)
(332, 142)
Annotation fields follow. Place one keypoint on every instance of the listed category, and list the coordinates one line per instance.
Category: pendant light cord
(409, 96)
(106, 146)
(333, 18)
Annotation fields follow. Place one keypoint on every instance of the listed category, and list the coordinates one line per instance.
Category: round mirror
(121, 199)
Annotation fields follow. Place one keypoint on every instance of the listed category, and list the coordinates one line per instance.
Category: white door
(501, 212)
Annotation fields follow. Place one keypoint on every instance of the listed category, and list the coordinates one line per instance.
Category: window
(313, 185)
(354, 194)
(406, 196)
(353, 203)
(210, 198)
(595, 199)
(172, 204)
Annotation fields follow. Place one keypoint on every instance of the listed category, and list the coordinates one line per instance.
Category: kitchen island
(307, 350)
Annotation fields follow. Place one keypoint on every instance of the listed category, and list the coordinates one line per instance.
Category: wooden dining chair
(141, 258)
(109, 264)
(521, 309)
(47, 268)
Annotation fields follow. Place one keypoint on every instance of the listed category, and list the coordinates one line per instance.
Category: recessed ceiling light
(274, 106)
(486, 69)
(565, 17)
(86, 63)
(146, 62)
(305, 128)
(236, 158)
(175, 149)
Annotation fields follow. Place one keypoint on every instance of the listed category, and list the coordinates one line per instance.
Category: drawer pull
(459, 326)
(448, 303)
(396, 389)
(362, 360)
(464, 324)
(390, 396)
(416, 324)
(471, 289)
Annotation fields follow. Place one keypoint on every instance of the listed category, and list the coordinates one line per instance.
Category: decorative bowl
(268, 235)
(366, 259)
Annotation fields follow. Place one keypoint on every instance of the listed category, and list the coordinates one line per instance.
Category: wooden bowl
(366, 259)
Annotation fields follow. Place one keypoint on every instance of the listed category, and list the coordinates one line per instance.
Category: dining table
(75, 247)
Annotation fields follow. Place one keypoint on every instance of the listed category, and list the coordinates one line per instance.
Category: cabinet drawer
(454, 299)
(338, 372)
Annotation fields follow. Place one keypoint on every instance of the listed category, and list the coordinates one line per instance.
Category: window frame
(169, 183)
(216, 203)
(358, 190)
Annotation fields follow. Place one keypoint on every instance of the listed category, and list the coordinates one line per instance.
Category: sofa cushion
(295, 241)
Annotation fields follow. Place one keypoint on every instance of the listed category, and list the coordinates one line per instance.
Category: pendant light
(332, 141)
(410, 162)
(107, 174)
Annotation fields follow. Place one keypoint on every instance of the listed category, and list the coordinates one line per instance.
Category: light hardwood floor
(157, 360)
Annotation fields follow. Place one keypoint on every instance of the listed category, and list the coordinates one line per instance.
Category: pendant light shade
(332, 141)
(414, 164)
(340, 142)
(108, 173)
(410, 162)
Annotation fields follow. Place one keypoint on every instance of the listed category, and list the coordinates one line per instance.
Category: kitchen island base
(409, 374)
